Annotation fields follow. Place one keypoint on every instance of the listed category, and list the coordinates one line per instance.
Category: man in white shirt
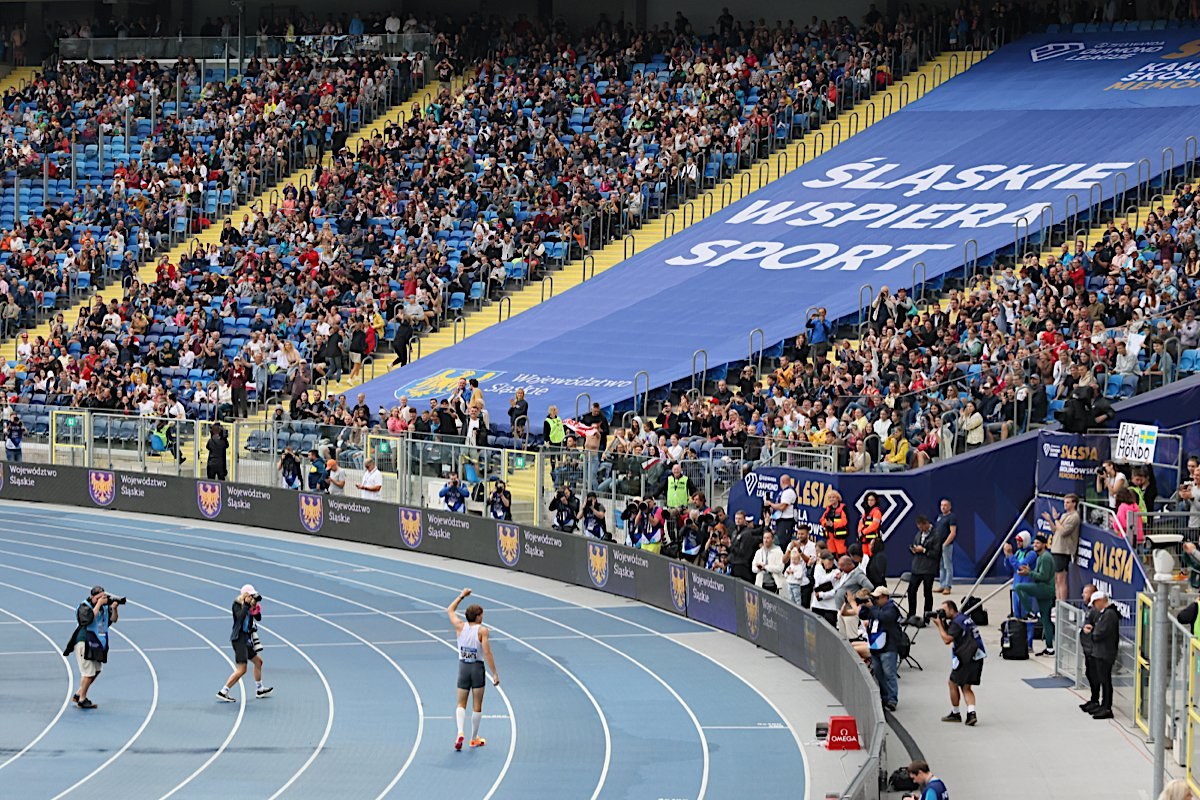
(784, 511)
(372, 482)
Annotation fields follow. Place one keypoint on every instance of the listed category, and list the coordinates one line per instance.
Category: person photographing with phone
(89, 642)
(247, 613)
(473, 642)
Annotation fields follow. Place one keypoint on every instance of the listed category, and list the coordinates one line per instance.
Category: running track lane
(552, 656)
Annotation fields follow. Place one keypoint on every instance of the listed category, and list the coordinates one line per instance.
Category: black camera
(117, 600)
(257, 598)
(937, 613)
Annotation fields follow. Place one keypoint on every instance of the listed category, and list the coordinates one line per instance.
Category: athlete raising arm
(472, 638)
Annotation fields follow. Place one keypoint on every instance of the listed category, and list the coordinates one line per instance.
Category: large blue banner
(1067, 462)
(1024, 139)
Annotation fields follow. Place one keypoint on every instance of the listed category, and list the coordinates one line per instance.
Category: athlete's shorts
(1062, 562)
(471, 675)
(241, 651)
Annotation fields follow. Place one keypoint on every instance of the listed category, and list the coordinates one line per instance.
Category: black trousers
(783, 532)
(914, 582)
(826, 614)
(1093, 683)
(742, 571)
(806, 592)
(1103, 686)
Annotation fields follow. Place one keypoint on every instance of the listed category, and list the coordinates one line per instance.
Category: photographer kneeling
(966, 658)
(89, 642)
(247, 610)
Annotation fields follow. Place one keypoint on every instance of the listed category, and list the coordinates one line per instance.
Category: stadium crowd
(555, 147)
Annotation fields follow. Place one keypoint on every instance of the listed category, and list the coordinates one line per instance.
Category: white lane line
(599, 711)
(522, 640)
(301, 653)
(762, 726)
(284, 615)
(416, 696)
(209, 645)
(70, 681)
(153, 679)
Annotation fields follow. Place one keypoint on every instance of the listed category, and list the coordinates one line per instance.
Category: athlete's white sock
(258, 684)
(460, 714)
(476, 718)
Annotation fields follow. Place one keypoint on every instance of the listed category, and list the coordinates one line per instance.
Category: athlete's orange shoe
(458, 742)
(478, 742)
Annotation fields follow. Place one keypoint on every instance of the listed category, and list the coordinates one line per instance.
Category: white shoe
(225, 697)
(264, 691)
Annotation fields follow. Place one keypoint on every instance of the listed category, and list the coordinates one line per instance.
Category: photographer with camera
(89, 642)
(500, 503)
(1110, 481)
(881, 618)
(565, 506)
(454, 495)
(247, 612)
(592, 515)
(966, 658)
(742, 545)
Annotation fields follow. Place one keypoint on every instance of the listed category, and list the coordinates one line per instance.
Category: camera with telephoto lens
(937, 613)
(117, 600)
(257, 598)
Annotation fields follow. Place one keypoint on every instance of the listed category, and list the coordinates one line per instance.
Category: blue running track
(594, 702)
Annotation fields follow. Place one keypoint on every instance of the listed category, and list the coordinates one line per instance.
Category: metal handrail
(579, 397)
(924, 278)
(627, 244)
(868, 291)
(762, 346)
(454, 330)
(646, 395)
(704, 374)
(505, 303)
(586, 272)
(547, 279)
(668, 217)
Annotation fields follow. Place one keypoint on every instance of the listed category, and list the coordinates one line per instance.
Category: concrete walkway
(1032, 741)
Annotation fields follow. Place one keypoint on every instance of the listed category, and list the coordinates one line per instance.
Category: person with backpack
(958, 630)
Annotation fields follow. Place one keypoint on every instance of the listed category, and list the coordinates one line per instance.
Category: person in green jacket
(1041, 588)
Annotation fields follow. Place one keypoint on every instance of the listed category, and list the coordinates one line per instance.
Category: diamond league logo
(895, 505)
(1051, 450)
(1045, 52)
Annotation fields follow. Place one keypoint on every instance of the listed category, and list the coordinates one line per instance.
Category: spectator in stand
(768, 565)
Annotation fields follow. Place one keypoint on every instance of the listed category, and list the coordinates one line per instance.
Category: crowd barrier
(803, 639)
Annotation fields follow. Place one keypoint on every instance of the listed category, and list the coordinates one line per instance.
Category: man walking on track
(472, 639)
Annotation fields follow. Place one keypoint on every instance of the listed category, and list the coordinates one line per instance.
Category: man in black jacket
(926, 561)
(1106, 643)
(745, 540)
(1085, 646)
(247, 612)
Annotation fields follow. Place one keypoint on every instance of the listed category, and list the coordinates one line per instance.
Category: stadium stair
(732, 190)
(16, 76)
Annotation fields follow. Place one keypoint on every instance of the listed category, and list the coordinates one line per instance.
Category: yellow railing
(1141, 666)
